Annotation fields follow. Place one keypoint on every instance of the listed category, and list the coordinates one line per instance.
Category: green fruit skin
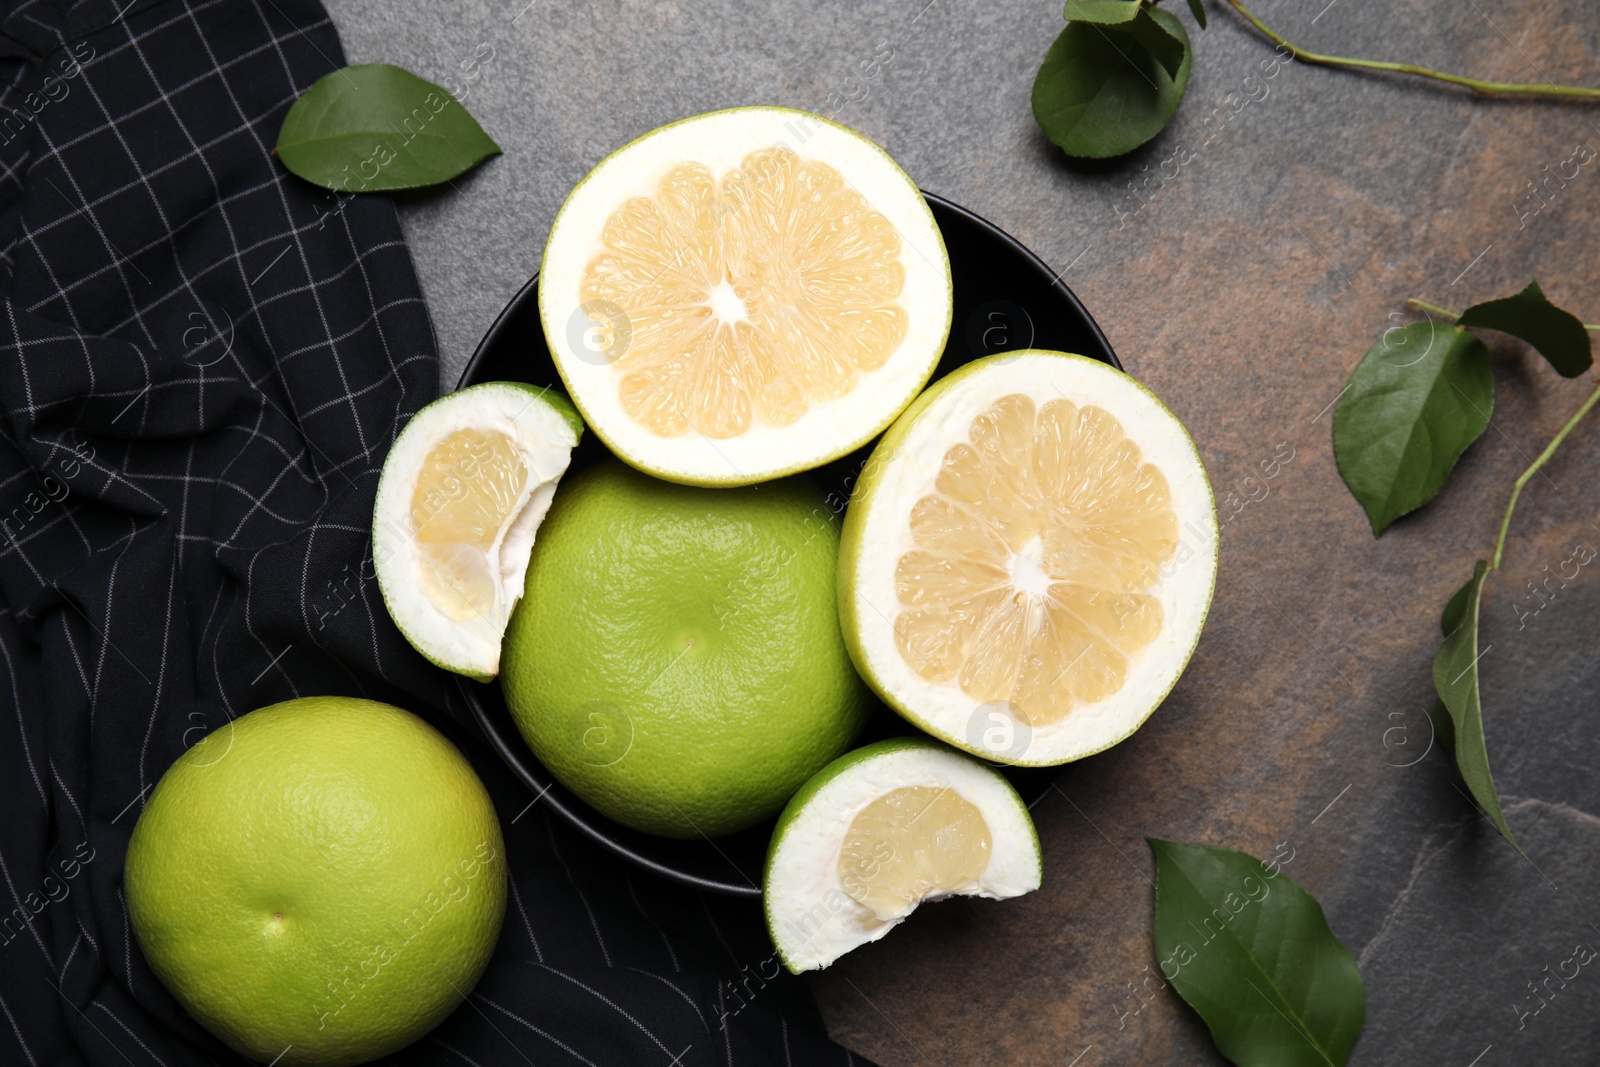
(676, 659)
(373, 838)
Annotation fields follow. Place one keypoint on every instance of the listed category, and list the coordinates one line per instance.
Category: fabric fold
(203, 362)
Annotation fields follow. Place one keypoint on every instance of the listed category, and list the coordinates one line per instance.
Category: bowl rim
(509, 745)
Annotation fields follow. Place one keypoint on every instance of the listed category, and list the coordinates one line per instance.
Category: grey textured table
(1242, 290)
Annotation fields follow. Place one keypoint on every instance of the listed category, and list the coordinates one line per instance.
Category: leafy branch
(1437, 310)
(1458, 716)
(1414, 403)
(1533, 468)
(1113, 78)
(1115, 75)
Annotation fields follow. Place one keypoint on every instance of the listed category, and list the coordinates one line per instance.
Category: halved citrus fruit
(462, 493)
(881, 829)
(1028, 558)
(744, 294)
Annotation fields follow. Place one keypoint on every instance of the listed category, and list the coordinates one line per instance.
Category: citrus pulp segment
(881, 829)
(1028, 558)
(318, 882)
(676, 660)
(744, 294)
(461, 496)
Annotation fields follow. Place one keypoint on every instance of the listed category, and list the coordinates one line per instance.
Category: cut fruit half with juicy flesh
(744, 294)
(463, 491)
(881, 829)
(1029, 557)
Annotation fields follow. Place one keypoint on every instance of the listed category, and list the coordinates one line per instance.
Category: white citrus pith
(1029, 557)
(462, 493)
(744, 294)
(882, 829)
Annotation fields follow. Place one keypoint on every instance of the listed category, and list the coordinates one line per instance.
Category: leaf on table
(1455, 609)
(1105, 12)
(1197, 8)
(1455, 677)
(1251, 952)
(1104, 90)
(1169, 49)
(1414, 403)
(1444, 731)
(1558, 335)
(376, 127)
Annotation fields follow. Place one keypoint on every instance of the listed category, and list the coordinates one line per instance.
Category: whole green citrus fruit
(321, 880)
(676, 659)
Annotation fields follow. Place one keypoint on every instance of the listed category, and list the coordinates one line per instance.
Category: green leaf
(1131, 17)
(1558, 335)
(374, 127)
(1455, 677)
(1251, 951)
(1168, 49)
(1197, 8)
(1455, 609)
(1416, 400)
(1102, 92)
(1104, 12)
(1444, 730)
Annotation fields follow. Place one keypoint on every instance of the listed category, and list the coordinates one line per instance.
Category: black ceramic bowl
(1005, 298)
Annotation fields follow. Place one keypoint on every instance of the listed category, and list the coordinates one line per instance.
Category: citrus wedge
(1028, 558)
(881, 829)
(462, 493)
(744, 294)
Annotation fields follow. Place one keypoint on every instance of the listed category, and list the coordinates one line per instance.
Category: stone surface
(1242, 290)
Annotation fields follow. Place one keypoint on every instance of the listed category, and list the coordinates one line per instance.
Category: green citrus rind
(676, 661)
(597, 419)
(319, 881)
(854, 531)
(854, 761)
(395, 583)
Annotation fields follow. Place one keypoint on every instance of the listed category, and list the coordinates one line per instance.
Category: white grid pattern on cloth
(174, 585)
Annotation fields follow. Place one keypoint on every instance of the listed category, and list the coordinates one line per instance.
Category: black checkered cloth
(203, 361)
